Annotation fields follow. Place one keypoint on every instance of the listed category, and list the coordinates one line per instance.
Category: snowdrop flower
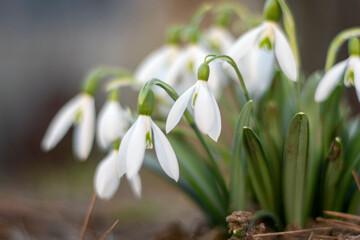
(80, 112)
(107, 180)
(348, 70)
(112, 123)
(256, 51)
(182, 71)
(220, 38)
(141, 136)
(206, 111)
(157, 63)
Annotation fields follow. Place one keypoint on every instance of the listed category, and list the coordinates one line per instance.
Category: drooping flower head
(256, 51)
(80, 112)
(219, 37)
(141, 136)
(182, 72)
(157, 63)
(348, 70)
(112, 122)
(206, 111)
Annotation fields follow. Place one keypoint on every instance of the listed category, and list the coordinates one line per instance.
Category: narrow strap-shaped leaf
(333, 168)
(294, 171)
(237, 162)
(266, 217)
(258, 171)
(151, 163)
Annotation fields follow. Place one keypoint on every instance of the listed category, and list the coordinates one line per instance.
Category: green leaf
(333, 168)
(151, 163)
(294, 171)
(201, 177)
(258, 170)
(237, 163)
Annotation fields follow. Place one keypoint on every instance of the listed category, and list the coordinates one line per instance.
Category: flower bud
(174, 36)
(272, 10)
(192, 35)
(91, 84)
(203, 72)
(146, 107)
(222, 18)
(354, 46)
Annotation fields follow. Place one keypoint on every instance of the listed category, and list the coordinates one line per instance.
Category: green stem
(94, 77)
(173, 94)
(199, 15)
(289, 26)
(233, 64)
(336, 44)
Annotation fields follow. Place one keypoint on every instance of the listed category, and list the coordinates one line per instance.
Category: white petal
(357, 75)
(284, 55)
(84, 130)
(245, 42)
(135, 184)
(257, 70)
(178, 67)
(329, 81)
(106, 180)
(136, 147)
(206, 112)
(178, 109)
(111, 124)
(220, 37)
(156, 64)
(165, 153)
(215, 131)
(121, 166)
(61, 123)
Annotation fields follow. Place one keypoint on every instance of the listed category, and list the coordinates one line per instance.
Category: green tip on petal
(146, 107)
(272, 10)
(354, 46)
(203, 72)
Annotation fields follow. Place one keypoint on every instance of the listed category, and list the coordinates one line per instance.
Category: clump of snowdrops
(233, 120)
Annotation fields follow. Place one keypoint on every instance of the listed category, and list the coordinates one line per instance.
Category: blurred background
(46, 48)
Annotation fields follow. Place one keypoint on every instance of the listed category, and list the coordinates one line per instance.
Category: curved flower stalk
(112, 122)
(256, 51)
(206, 111)
(80, 112)
(107, 180)
(348, 70)
(140, 137)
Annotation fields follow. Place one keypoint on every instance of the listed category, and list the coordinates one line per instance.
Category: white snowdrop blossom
(206, 110)
(182, 73)
(220, 38)
(255, 53)
(112, 123)
(107, 180)
(140, 137)
(80, 112)
(348, 70)
(157, 63)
